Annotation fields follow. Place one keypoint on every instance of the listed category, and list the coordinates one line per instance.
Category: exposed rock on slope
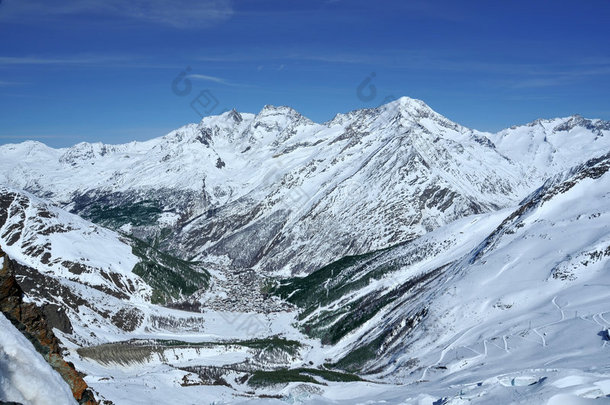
(102, 280)
(32, 322)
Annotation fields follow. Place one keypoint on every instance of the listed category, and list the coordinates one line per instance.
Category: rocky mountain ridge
(281, 194)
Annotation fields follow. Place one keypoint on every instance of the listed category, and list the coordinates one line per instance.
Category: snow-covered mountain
(386, 255)
(478, 281)
(507, 306)
(281, 194)
(547, 147)
(101, 282)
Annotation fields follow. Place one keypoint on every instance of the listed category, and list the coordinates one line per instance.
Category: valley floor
(486, 364)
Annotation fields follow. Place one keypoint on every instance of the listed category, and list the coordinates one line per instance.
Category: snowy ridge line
(206, 188)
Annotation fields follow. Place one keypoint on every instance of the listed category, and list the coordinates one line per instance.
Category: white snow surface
(546, 147)
(25, 376)
(36, 229)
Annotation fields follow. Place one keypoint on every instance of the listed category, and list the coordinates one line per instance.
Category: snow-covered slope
(503, 307)
(547, 147)
(101, 282)
(25, 376)
(64, 245)
(292, 194)
(513, 298)
(538, 283)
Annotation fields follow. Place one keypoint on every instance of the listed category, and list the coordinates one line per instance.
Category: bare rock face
(56, 317)
(32, 322)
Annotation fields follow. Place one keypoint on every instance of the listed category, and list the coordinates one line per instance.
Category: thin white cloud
(278, 55)
(539, 82)
(77, 60)
(87, 60)
(176, 13)
(554, 75)
(208, 78)
(219, 80)
(529, 74)
(337, 58)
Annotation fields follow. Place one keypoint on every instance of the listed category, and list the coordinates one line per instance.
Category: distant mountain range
(281, 194)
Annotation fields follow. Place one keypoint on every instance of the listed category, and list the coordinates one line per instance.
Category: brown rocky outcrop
(30, 320)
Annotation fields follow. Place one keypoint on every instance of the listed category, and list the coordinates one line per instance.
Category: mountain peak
(235, 115)
(403, 106)
(270, 110)
(412, 107)
(227, 120)
(578, 120)
(272, 120)
(408, 102)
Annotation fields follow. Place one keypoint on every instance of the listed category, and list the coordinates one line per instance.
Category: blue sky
(85, 70)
